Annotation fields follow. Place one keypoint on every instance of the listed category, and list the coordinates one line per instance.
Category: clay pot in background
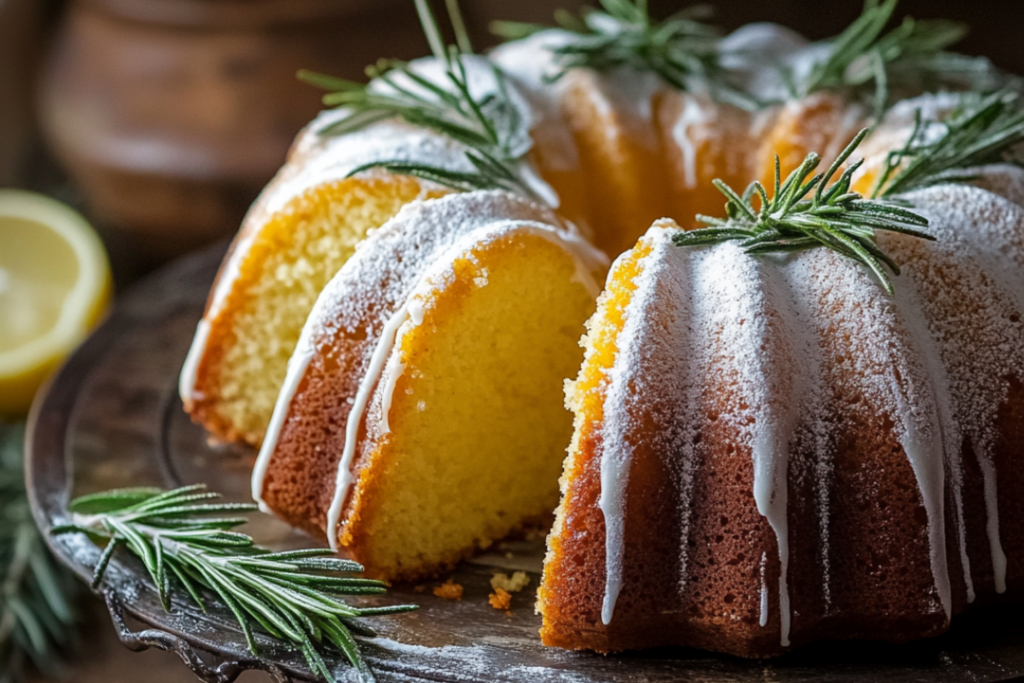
(171, 115)
(20, 23)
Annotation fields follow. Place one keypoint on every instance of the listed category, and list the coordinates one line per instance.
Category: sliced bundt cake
(417, 420)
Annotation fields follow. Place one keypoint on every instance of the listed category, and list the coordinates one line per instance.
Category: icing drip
(187, 378)
(614, 479)
(763, 621)
(939, 375)
(627, 97)
(771, 496)
(343, 476)
(988, 473)
(621, 398)
(923, 449)
(297, 365)
(693, 114)
(942, 436)
(392, 372)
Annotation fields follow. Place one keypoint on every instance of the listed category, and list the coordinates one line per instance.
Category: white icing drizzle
(988, 473)
(923, 448)
(187, 378)
(943, 426)
(625, 95)
(617, 448)
(753, 53)
(693, 114)
(763, 621)
(615, 460)
(770, 494)
(297, 365)
(926, 375)
(529, 63)
(737, 311)
(343, 476)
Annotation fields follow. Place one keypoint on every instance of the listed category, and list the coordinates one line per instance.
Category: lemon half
(54, 286)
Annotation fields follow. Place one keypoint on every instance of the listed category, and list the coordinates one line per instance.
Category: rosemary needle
(682, 50)
(36, 594)
(863, 62)
(492, 126)
(186, 540)
(983, 129)
(806, 211)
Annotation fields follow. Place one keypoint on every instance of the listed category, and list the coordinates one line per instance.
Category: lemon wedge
(54, 286)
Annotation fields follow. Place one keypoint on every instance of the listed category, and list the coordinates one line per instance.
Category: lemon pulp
(37, 269)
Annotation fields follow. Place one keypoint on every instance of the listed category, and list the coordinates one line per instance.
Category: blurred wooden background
(170, 115)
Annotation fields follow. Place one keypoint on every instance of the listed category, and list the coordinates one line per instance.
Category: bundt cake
(769, 440)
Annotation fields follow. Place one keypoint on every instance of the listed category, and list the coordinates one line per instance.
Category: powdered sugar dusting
(772, 334)
(970, 285)
(735, 323)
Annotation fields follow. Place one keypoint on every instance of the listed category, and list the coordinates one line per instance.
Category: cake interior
(290, 261)
(479, 420)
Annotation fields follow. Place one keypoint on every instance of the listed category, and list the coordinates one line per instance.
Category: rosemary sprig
(36, 594)
(187, 544)
(492, 126)
(682, 50)
(980, 131)
(910, 57)
(794, 219)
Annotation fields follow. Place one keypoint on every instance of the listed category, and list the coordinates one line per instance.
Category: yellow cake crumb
(502, 582)
(500, 599)
(449, 590)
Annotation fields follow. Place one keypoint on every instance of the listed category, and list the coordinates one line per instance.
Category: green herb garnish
(793, 218)
(492, 126)
(910, 58)
(186, 543)
(981, 130)
(682, 50)
(36, 615)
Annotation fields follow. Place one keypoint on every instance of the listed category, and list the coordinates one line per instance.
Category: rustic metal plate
(112, 418)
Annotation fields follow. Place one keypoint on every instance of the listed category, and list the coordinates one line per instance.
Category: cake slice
(303, 228)
(421, 417)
